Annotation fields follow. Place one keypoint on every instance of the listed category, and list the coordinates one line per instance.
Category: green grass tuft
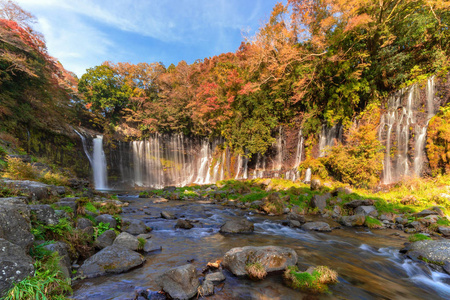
(418, 237)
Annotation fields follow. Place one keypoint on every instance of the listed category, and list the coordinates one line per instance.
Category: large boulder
(44, 214)
(367, 210)
(112, 259)
(126, 240)
(107, 219)
(355, 220)
(320, 201)
(431, 251)
(317, 226)
(444, 230)
(273, 258)
(215, 277)
(356, 203)
(15, 225)
(13, 200)
(184, 224)
(133, 226)
(86, 226)
(35, 190)
(180, 283)
(105, 239)
(63, 251)
(15, 265)
(237, 226)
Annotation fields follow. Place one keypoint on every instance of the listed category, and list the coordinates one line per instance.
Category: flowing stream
(368, 262)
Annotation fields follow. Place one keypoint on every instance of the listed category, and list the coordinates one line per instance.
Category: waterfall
(239, 165)
(279, 150)
(404, 112)
(99, 164)
(298, 155)
(308, 175)
(203, 175)
(97, 160)
(327, 138)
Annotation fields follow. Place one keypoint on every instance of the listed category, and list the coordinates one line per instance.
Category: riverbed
(368, 261)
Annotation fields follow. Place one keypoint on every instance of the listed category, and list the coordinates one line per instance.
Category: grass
(373, 223)
(315, 281)
(443, 222)
(256, 271)
(418, 237)
(142, 243)
(48, 282)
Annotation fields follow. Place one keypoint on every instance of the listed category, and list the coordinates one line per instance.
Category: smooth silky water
(368, 262)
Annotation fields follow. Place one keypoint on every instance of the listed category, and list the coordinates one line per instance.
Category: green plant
(100, 228)
(314, 280)
(142, 243)
(443, 222)
(17, 169)
(90, 207)
(372, 223)
(48, 282)
(418, 237)
(255, 271)
(53, 178)
(43, 231)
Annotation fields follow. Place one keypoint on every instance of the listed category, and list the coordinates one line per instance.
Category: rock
(180, 283)
(237, 226)
(206, 289)
(315, 184)
(446, 267)
(410, 230)
(44, 214)
(273, 204)
(438, 210)
(133, 226)
(337, 211)
(356, 203)
(320, 201)
(273, 258)
(367, 210)
(126, 240)
(15, 265)
(425, 212)
(346, 190)
(62, 250)
(169, 189)
(15, 225)
(145, 236)
(86, 226)
(432, 251)
(294, 223)
(401, 220)
(167, 215)
(151, 246)
(107, 219)
(13, 200)
(112, 259)
(184, 224)
(105, 239)
(68, 202)
(215, 277)
(35, 190)
(296, 217)
(317, 226)
(444, 230)
(355, 220)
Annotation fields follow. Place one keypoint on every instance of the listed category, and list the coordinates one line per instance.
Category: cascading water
(299, 153)
(402, 160)
(328, 137)
(278, 164)
(97, 160)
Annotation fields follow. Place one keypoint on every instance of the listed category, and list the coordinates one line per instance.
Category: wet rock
(105, 239)
(317, 226)
(356, 203)
(112, 259)
(320, 201)
(180, 283)
(15, 225)
(296, 217)
(151, 246)
(432, 251)
(425, 212)
(15, 265)
(63, 251)
(13, 200)
(207, 288)
(315, 184)
(273, 258)
(145, 236)
(167, 215)
(294, 224)
(86, 226)
(44, 214)
(105, 218)
(444, 230)
(410, 230)
(355, 220)
(126, 240)
(184, 224)
(446, 267)
(215, 277)
(237, 226)
(133, 226)
(367, 210)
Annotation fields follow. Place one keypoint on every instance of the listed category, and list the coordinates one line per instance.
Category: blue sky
(85, 33)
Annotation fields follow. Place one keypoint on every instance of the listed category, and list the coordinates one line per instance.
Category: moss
(256, 271)
(372, 223)
(315, 280)
(418, 237)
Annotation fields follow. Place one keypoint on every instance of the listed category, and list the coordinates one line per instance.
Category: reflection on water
(368, 263)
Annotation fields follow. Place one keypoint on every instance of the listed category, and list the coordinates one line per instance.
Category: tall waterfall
(97, 160)
(405, 111)
(328, 137)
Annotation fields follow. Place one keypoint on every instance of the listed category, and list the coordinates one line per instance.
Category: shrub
(17, 169)
(316, 165)
(256, 271)
(314, 280)
(438, 142)
(53, 178)
(100, 228)
(418, 237)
